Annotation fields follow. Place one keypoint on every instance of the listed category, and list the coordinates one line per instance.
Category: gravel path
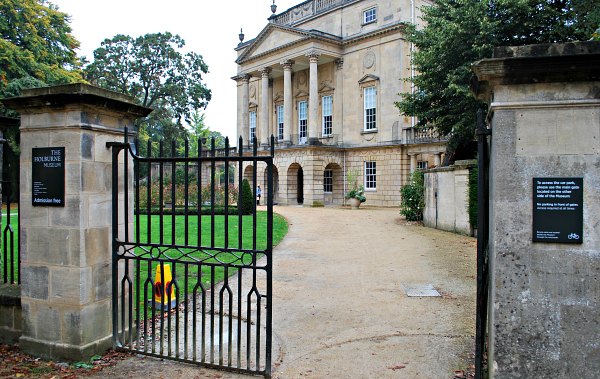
(340, 304)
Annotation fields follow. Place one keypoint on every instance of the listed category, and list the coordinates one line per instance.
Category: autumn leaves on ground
(15, 364)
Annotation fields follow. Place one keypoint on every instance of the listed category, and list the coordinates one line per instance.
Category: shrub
(247, 203)
(192, 211)
(413, 197)
(356, 191)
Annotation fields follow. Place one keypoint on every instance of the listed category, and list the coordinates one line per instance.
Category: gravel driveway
(341, 308)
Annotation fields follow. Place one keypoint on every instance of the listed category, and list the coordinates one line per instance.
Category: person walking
(258, 193)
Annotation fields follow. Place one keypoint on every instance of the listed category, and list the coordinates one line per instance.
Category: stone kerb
(545, 296)
(66, 250)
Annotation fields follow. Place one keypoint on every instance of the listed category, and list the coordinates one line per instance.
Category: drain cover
(421, 290)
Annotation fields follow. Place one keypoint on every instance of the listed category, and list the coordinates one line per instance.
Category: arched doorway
(300, 193)
(248, 174)
(333, 184)
(295, 184)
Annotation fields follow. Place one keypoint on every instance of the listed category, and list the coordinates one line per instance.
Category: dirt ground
(340, 304)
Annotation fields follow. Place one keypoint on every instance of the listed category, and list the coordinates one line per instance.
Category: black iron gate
(10, 261)
(192, 271)
(483, 136)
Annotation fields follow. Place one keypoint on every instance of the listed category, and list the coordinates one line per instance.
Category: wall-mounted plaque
(48, 176)
(558, 210)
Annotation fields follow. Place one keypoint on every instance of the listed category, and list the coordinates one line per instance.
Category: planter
(354, 203)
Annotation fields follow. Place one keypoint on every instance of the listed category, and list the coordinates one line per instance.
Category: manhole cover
(421, 290)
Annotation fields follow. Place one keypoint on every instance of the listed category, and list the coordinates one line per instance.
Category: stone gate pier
(66, 217)
(544, 253)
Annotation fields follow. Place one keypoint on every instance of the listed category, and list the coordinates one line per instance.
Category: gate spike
(272, 145)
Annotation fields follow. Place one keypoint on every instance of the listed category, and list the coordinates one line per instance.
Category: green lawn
(280, 228)
(6, 277)
(196, 268)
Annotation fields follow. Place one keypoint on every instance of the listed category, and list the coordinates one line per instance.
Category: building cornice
(545, 63)
(315, 35)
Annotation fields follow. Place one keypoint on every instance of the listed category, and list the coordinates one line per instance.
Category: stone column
(66, 255)
(245, 127)
(437, 159)
(338, 101)
(288, 105)
(413, 162)
(313, 181)
(313, 98)
(263, 134)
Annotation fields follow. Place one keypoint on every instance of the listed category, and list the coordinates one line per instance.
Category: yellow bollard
(166, 291)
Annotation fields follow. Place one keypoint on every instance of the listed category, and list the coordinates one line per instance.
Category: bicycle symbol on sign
(573, 236)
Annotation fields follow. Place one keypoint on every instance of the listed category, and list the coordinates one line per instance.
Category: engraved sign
(48, 176)
(558, 210)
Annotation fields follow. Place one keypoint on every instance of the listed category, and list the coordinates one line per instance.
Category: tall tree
(153, 70)
(36, 49)
(460, 32)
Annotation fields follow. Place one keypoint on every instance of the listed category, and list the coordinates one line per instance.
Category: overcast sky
(209, 28)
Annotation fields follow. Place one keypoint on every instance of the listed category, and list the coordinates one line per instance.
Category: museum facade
(323, 77)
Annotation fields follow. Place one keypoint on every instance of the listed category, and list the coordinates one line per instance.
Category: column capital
(244, 78)
(339, 63)
(265, 72)
(313, 56)
(287, 64)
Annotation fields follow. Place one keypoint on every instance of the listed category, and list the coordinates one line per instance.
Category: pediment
(301, 93)
(326, 86)
(368, 78)
(273, 37)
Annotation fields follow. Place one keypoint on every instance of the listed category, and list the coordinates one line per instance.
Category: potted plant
(356, 194)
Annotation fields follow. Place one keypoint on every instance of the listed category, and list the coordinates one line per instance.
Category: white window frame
(252, 125)
(328, 181)
(370, 176)
(280, 122)
(422, 165)
(369, 15)
(370, 108)
(302, 121)
(327, 115)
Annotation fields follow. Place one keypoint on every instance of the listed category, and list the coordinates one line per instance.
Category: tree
(36, 49)
(247, 201)
(153, 70)
(460, 32)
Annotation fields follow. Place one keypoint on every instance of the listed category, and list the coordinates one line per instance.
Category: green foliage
(413, 197)
(180, 192)
(152, 69)
(460, 32)
(472, 192)
(192, 210)
(247, 202)
(356, 191)
(86, 364)
(37, 49)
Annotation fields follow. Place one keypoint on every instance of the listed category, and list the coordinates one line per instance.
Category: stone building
(322, 77)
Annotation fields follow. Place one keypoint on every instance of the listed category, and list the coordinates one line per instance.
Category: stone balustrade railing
(306, 9)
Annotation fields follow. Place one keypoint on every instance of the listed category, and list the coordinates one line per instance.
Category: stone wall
(65, 251)
(447, 199)
(544, 297)
(11, 319)
(313, 162)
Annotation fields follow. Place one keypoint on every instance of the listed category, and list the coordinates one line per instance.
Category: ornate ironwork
(189, 283)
